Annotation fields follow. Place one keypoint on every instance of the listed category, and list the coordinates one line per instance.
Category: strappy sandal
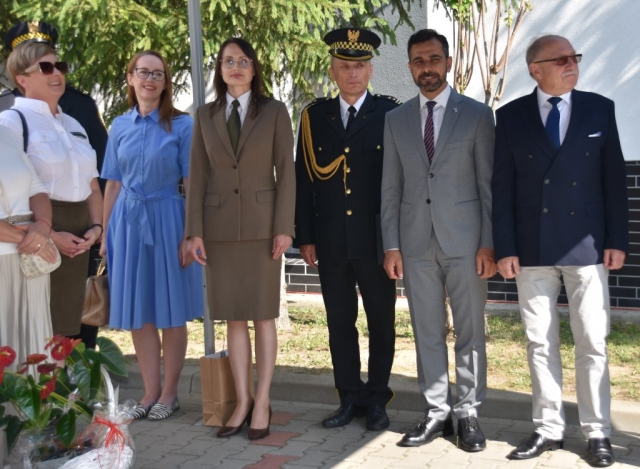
(160, 411)
(139, 411)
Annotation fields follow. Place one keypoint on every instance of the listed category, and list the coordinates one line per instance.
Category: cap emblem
(353, 35)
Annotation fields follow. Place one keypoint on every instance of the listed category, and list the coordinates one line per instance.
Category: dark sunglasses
(561, 61)
(46, 68)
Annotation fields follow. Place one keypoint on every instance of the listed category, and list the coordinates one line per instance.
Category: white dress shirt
(344, 108)
(19, 180)
(564, 107)
(59, 149)
(242, 109)
(438, 111)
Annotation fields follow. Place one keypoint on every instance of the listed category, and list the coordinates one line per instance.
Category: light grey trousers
(425, 278)
(588, 293)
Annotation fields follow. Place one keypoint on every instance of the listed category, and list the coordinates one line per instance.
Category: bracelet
(45, 222)
(97, 224)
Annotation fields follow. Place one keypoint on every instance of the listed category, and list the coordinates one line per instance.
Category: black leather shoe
(345, 414)
(427, 431)
(470, 437)
(533, 446)
(600, 453)
(377, 418)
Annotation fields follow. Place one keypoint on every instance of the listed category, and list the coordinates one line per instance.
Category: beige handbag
(32, 265)
(96, 300)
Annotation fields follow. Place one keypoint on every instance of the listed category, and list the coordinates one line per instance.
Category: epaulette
(388, 98)
(317, 101)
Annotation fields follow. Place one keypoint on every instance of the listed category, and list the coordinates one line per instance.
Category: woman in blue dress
(152, 280)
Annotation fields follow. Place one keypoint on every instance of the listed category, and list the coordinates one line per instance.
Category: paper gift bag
(218, 389)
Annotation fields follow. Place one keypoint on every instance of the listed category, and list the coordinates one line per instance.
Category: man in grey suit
(436, 230)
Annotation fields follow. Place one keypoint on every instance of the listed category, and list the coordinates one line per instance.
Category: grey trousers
(425, 278)
(589, 313)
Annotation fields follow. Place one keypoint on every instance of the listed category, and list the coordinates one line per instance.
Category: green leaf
(83, 380)
(96, 380)
(111, 356)
(28, 399)
(13, 429)
(66, 427)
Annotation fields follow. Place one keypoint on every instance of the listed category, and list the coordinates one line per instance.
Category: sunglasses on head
(561, 61)
(46, 68)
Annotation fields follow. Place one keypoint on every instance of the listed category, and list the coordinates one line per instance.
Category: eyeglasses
(156, 75)
(229, 62)
(561, 61)
(46, 68)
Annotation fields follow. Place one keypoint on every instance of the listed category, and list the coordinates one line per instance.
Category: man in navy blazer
(560, 210)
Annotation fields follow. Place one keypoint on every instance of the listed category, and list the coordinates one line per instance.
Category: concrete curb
(302, 387)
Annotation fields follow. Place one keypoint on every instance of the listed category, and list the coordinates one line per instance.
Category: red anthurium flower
(54, 340)
(47, 368)
(35, 358)
(48, 388)
(7, 356)
(63, 347)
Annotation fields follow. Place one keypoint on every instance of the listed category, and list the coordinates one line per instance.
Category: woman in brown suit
(240, 211)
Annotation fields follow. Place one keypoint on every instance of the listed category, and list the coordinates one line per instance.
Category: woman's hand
(195, 247)
(183, 253)
(37, 235)
(67, 243)
(281, 243)
(91, 237)
(48, 253)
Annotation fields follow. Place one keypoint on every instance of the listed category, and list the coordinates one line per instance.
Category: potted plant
(46, 406)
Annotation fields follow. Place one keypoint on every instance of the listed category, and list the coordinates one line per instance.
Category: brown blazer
(240, 197)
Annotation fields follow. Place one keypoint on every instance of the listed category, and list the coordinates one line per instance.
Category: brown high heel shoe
(260, 433)
(225, 431)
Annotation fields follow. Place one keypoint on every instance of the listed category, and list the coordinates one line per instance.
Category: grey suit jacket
(452, 194)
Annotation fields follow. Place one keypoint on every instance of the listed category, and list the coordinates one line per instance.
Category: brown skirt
(243, 281)
(68, 281)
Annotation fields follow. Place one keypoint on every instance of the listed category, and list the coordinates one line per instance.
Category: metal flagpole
(197, 80)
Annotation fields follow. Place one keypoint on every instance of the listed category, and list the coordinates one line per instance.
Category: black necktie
(352, 117)
(429, 133)
(234, 126)
(552, 125)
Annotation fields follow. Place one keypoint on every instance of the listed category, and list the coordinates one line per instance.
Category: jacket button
(572, 213)
(430, 175)
(349, 212)
(378, 147)
(574, 183)
(235, 166)
(529, 156)
(348, 170)
(586, 154)
(547, 181)
(545, 210)
(319, 148)
(348, 191)
(346, 150)
(428, 201)
(237, 191)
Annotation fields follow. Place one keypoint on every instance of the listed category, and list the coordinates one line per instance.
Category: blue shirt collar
(155, 114)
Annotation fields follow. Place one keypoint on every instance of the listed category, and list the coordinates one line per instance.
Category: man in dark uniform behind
(338, 174)
(82, 108)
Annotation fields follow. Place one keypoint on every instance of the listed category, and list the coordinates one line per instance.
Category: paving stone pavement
(298, 441)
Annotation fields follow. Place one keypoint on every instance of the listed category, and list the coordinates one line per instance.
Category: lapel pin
(455, 109)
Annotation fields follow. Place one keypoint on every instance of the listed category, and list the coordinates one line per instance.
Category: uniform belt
(17, 219)
(137, 209)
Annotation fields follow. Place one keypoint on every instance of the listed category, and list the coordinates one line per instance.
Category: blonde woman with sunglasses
(59, 149)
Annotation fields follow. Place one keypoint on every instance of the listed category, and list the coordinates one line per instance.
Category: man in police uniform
(73, 102)
(338, 173)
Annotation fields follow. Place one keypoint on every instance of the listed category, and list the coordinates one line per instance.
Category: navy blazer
(559, 207)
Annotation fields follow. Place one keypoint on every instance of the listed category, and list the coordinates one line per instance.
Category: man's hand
(308, 253)
(486, 263)
(393, 264)
(509, 267)
(613, 259)
(281, 243)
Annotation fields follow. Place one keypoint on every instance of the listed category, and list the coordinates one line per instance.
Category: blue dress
(146, 282)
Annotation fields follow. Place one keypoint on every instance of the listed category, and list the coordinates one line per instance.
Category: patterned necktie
(428, 131)
(234, 126)
(352, 117)
(552, 125)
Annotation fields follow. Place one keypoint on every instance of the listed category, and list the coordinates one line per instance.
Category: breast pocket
(43, 144)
